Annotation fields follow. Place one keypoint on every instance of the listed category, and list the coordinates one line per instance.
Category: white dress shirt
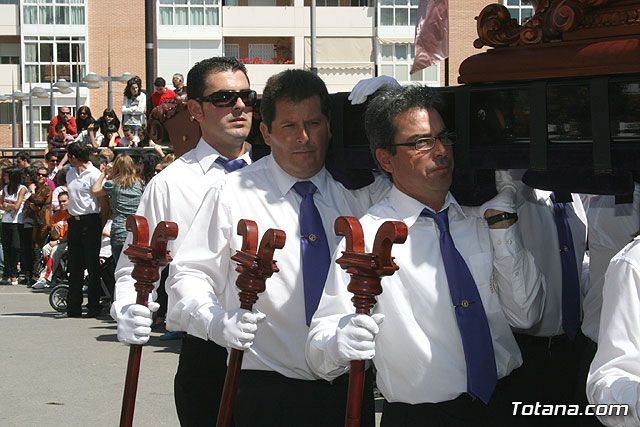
(611, 227)
(614, 377)
(81, 199)
(172, 195)
(536, 219)
(419, 353)
(203, 276)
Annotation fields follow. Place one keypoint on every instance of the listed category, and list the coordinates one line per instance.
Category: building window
(396, 61)
(189, 12)
(398, 12)
(232, 50)
(327, 3)
(49, 59)
(519, 11)
(43, 12)
(41, 118)
(262, 51)
(9, 59)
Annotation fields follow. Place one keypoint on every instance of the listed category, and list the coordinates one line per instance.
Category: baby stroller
(58, 295)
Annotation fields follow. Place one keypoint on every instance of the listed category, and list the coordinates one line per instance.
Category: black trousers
(26, 253)
(11, 245)
(84, 253)
(199, 381)
(266, 398)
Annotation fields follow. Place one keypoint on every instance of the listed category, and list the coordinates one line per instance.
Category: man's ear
(195, 109)
(384, 158)
(265, 133)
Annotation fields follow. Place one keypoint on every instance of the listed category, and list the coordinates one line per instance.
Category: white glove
(235, 328)
(134, 323)
(505, 200)
(354, 338)
(366, 87)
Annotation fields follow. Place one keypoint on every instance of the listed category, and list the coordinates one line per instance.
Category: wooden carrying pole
(365, 269)
(147, 260)
(255, 266)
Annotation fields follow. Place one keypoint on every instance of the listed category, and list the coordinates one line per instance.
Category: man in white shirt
(552, 348)
(614, 377)
(221, 101)
(85, 227)
(430, 370)
(276, 386)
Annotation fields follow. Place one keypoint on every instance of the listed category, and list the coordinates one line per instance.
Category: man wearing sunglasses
(64, 116)
(221, 101)
(439, 334)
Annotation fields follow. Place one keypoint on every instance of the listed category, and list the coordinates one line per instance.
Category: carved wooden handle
(164, 232)
(139, 227)
(351, 229)
(389, 233)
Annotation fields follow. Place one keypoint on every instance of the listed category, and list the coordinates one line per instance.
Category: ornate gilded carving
(551, 19)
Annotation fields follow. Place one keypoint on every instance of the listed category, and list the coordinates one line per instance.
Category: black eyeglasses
(228, 98)
(428, 142)
(43, 174)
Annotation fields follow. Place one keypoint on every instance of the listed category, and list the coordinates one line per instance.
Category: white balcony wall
(9, 73)
(260, 73)
(9, 20)
(178, 56)
(189, 32)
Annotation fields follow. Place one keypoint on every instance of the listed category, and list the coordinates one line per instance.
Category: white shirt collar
(206, 155)
(284, 181)
(409, 209)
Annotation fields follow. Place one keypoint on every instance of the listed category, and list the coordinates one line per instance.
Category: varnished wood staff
(365, 269)
(147, 260)
(255, 266)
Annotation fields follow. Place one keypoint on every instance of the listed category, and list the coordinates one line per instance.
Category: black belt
(81, 217)
(547, 342)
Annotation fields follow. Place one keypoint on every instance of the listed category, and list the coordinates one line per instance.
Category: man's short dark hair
(386, 105)
(50, 154)
(127, 128)
(80, 151)
(198, 74)
(59, 127)
(160, 82)
(62, 193)
(23, 156)
(295, 86)
(61, 107)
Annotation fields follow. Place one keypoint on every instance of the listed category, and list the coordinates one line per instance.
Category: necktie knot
(441, 218)
(231, 165)
(305, 188)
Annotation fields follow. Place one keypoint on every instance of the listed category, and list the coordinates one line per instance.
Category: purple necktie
(480, 359)
(231, 165)
(314, 248)
(570, 280)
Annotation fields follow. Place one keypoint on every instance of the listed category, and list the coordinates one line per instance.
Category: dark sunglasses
(228, 98)
(43, 174)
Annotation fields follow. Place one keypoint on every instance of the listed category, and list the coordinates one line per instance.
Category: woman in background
(12, 203)
(133, 104)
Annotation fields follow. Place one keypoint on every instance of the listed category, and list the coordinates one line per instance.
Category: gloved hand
(235, 328)
(366, 87)
(354, 338)
(505, 200)
(134, 323)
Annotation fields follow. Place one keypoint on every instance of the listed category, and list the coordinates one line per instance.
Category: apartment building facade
(43, 41)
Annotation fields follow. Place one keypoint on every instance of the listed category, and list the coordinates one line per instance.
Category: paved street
(70, 372)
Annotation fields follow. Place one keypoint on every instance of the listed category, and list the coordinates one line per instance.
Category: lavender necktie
(570, 280)
(314, 248)
(480, 359)
(231, 165)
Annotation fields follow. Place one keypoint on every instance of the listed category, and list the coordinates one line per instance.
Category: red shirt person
(160, 92)
(64, 116)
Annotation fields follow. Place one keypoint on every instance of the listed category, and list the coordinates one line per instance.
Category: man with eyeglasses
(64, 116)
(440, 334)
(221, 101)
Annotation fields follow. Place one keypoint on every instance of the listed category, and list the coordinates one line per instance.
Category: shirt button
(499, 242)
(510, 242)
(517, 273)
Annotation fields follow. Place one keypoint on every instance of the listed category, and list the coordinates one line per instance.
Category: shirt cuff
(507, 242)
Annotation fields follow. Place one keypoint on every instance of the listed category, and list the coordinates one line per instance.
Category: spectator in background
(57, 245)
(12, 203)
(26, 235)
(107, 154)
(160, 92)
(60, 140)
(178, 84)
(38, 207)
(134, 104)
(61, 178)
(83, 118)
(23, 160)
(64, 116)
(146, 166)
(108, 117)
(130, 137)
(146, 141)
(110, 139)
(51, 158)
(124, 190)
